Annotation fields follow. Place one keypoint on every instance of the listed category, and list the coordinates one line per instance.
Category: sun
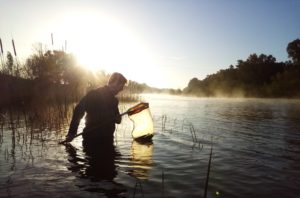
(103, 42)
(100, 41)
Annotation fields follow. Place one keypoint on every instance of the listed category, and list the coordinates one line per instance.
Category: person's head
(116, 82)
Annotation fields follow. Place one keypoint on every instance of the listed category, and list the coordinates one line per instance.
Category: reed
(16, 72)
(1, 46)
(195, 139)
(163, 184)
(163, 122)
(6, 154)
(138, 184)
(208, 170)
(193, 133)
(1, 135)
(14, 47)
(2, 56)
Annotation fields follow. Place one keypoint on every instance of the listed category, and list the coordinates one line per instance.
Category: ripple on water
(255, 154)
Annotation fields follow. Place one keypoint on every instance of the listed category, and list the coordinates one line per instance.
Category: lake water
(255, 153)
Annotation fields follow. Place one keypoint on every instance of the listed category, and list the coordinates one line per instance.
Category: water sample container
(143, 128)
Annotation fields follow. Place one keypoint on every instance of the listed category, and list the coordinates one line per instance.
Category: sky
(163, 43)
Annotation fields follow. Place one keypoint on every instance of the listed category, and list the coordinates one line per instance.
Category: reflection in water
(141, 159)
(256, 146)
(100, 161)
(98, 165)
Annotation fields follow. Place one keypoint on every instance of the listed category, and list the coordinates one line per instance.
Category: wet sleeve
(118, 117)
(77, 116)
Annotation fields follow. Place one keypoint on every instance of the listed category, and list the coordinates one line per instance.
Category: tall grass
(41, 123)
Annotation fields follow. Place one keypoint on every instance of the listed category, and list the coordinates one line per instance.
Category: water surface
(256, 147)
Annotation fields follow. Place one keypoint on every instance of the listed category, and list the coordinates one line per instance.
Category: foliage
(51, 77)
(293, 50)
(258, 76)
(286, 84)
(56, 76)
(52, 66)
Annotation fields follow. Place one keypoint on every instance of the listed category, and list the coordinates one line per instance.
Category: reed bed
(39, 123)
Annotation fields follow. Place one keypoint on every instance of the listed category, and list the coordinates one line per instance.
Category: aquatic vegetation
(177, 130)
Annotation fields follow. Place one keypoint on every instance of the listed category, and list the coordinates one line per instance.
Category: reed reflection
(142, 163)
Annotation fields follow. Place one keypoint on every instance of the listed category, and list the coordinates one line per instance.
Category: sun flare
(102, 42)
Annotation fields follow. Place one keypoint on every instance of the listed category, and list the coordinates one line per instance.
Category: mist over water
(255, 153)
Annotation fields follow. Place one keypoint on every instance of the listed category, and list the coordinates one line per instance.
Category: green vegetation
(258, 76)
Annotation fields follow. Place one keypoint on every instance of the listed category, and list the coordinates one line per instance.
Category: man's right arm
(77, 116)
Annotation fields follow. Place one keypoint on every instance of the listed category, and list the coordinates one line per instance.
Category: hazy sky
(163, 43)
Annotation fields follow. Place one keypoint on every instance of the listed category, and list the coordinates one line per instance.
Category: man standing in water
(102, 113)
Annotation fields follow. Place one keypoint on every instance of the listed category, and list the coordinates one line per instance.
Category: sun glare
(102, 42)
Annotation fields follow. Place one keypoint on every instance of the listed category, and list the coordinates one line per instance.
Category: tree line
(54, 76)
(50, 76)
(257, 76)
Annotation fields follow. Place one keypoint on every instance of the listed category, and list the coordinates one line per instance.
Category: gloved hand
(118, 119)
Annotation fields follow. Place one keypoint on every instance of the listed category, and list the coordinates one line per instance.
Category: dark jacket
(101, 108)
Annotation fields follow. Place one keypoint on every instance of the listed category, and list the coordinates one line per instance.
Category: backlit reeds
(14, 47)
(1, 56)
(1, 47)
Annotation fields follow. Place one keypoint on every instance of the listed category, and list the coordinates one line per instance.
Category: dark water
(256, 147)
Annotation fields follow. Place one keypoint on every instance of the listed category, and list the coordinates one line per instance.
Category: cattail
(1, 46)
(13, 43)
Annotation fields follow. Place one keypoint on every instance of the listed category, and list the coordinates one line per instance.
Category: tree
(258, 70)
(293, 50)
(52, 66)
(248, 78)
